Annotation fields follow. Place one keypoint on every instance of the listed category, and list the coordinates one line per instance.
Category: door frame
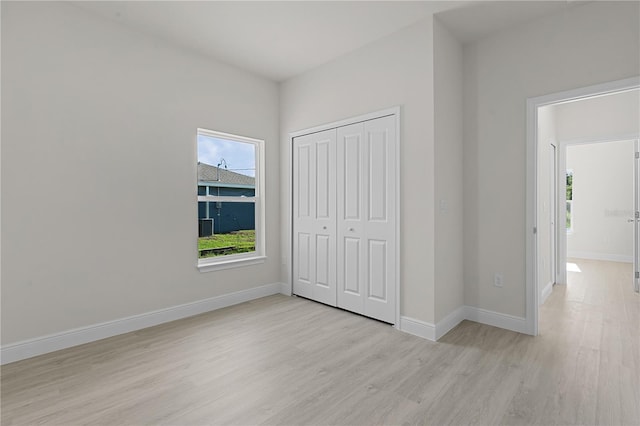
(636, 212)
(288, 261)
(562, 190)
(531, 220)
(554, 197)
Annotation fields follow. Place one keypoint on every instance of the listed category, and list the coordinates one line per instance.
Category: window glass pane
(233, 226)
(226, 168)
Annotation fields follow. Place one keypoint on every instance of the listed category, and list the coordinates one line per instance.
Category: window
(230, 200)
(569, 219)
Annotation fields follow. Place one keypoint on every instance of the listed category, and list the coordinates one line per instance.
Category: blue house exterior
(227, 216)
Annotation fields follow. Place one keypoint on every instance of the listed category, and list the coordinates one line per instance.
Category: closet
(344, 217)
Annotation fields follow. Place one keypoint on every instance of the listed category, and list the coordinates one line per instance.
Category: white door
(553, 204)
(636, 218)
(314, 216)
(366, 199)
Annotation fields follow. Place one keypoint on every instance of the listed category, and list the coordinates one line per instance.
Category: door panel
(350, 263)
(344, 222)
(377, 176)
(304, 262)
(314, 218)
(380, 228)
(377, 267)
(323, 163)
(323, 261)
(352, 267)
(366, 228)
(351, 147)
(303, 181)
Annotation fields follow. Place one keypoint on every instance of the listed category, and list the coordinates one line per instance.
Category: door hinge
(637, 274)
(637, 215)
(535, 230)
(637, 154)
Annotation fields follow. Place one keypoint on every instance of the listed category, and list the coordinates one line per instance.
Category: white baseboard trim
(447, 323)
(66, 339)
(600, 256)
(435, 332)
(496, 319)
(418, 328)
(546, 292)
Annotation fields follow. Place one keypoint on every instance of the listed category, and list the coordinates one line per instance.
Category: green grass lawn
(237, 242)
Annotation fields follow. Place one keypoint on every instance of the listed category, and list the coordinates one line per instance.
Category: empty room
(318, 212)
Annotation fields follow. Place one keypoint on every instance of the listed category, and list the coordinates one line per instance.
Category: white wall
(602, 201)
(396, 70)
(582, 46)
(449, 283)
(603, 232)
(99, 169)
(546, 136)
(607, 117)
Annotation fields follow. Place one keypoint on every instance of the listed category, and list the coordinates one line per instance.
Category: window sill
(218, 265)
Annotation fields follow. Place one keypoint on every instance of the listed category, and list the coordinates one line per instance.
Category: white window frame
(241, 259)
(570, 202)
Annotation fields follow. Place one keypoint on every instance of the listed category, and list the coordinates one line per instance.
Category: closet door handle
(324, 227)
(351, 229)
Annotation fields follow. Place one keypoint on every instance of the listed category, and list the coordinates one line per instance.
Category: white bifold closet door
(345, 232)
(314, 216)
(366, 218)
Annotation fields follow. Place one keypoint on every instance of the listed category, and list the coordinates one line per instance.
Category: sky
(240, 157)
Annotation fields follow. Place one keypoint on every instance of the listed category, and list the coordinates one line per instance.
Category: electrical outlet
(498, 280)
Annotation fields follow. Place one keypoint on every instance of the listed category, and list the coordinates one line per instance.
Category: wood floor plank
(283, 360)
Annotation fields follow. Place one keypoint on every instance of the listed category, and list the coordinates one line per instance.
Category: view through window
(227, 194)
(569, 219)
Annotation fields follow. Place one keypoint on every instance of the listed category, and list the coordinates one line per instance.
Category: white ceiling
(483, 18)
(275, 39)
(281, 39)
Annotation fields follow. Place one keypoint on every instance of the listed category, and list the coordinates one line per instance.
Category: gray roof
(207, 173)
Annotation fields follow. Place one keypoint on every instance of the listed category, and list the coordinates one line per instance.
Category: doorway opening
(567, 122)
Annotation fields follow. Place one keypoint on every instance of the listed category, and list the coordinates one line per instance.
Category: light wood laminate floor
(282, 360)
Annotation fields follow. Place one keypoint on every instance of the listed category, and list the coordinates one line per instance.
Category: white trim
(435, 332)
(418, 328)
(78, 336)
(532, 105)
(228, 136)
(229, 262)
(226, 199)
(586, 141)
(259, 255)
(587, 92)
(561, 272)
(346, 122)
(496, 319)
(600, 256)
(447, 323)
(546, 292)
(395, 111)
